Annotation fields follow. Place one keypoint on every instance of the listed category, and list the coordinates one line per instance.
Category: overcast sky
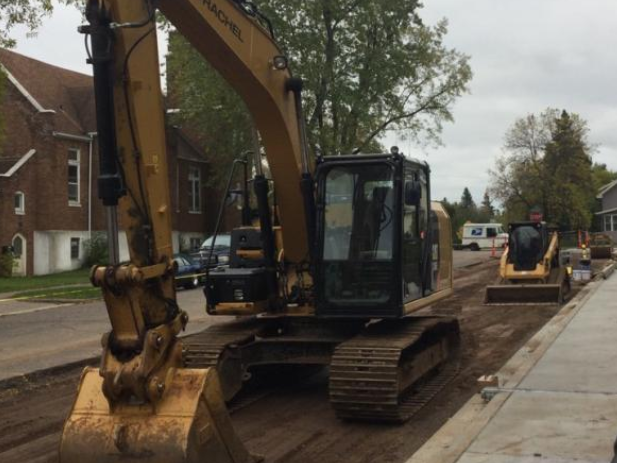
(526, 55)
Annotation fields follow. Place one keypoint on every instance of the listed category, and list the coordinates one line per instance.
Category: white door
(20, 253)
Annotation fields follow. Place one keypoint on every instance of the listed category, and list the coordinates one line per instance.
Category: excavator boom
(142, 404)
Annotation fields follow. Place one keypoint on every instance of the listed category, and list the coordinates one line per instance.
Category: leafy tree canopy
(368, 67)
(547, 164)
(29, 13)
(602, 175)
(467, 211)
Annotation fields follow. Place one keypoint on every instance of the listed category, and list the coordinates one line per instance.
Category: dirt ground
(294, 423)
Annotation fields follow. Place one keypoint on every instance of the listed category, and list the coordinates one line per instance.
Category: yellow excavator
(346, 250)
(530, 270)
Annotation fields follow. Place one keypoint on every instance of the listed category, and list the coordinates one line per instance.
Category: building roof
(8, 166)
(606, 188)
(193, 153)
(67, 96)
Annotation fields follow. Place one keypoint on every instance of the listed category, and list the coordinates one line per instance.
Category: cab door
(415, 226)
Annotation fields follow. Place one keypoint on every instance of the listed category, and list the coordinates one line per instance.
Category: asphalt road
(39, 335)
(466, 257)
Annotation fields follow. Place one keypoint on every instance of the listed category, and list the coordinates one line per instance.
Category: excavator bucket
(553, 292)
(524, 294)
(189, 424)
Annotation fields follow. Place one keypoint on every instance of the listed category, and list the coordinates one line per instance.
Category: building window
(20, 203)
(74, 248)
(194, 190)
(195, 244)
(18, 246)
(73, 177)
(610, 222)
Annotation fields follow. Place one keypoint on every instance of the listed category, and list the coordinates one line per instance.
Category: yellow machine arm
(142, 405)
(229, 35)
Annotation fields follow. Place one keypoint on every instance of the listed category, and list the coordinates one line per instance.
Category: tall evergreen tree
(568, 163)
(487, 211)
(467, 201)
(547, 165)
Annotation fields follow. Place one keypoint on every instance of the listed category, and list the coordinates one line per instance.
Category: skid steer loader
(529, 270)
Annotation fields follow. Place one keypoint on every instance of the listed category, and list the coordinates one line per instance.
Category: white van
(478, 236)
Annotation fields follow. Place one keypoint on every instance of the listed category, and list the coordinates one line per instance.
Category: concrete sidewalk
(557, 399)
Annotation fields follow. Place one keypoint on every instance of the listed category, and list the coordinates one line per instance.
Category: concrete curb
(65, 301)
(454, 437)
(20, 381)
(608, 270)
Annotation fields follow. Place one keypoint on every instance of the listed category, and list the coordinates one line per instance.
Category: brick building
(48, 165)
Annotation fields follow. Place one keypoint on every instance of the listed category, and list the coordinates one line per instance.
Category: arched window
(20, 203)
(18, 246)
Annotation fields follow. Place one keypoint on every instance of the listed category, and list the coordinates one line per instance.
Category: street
(289, 421)
(41, 335)
(465, 258)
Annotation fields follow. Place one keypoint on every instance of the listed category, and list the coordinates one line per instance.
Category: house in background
(48, 165)
(608, 209)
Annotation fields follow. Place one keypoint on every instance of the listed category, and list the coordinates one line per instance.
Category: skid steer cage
(189, 424)
(524, 294)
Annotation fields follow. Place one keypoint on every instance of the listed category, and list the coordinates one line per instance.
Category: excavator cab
(372, 235)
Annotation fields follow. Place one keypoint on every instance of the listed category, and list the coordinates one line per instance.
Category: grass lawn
(88, 292)
(17, 284)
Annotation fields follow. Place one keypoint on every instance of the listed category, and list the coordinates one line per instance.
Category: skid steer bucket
(524, 294)
(189, 424)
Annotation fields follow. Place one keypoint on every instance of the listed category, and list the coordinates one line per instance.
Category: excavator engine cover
(189, 424)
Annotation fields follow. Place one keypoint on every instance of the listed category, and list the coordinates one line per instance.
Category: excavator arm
(229, 35)
(142, 404)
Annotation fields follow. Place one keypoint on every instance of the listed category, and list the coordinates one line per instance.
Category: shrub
(96, 252)
(6, 265)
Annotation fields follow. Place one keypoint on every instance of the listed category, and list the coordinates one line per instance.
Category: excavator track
(209, 348)
(391, 370)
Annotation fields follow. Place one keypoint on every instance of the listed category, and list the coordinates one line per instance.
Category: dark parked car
(189, 273)
(220, 254)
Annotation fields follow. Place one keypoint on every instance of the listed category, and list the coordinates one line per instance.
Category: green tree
(486, 212)
(547, 165)
(369, 66)
(568, 164)
(468, 205)
(210, 110)
(462, 212)
(23, 12)
(602, 175)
